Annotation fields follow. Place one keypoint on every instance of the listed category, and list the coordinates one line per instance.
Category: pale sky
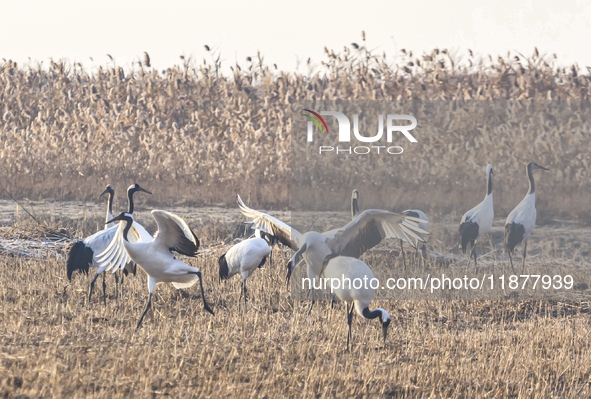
(283, 31)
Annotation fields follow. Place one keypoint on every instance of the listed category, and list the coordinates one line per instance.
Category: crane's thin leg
(104, 290)
(205, 305)
(240, 298)
(116, 285)
(511, 260)
(148, 306)
(403, 255)
(313, 302)
(524, 254)
(244, 291)
(473, 254)
(91, 288)
(349, 321)
(122, 278)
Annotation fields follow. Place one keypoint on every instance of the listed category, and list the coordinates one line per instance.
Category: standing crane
(155, 257)
(477, 221)
(522, 219)
(82, 254)
(244, 258)
(347, 269)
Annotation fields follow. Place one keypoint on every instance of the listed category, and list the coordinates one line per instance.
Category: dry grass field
(54, 345)
(196, 138)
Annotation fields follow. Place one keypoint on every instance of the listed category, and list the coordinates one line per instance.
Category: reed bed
(205, 135)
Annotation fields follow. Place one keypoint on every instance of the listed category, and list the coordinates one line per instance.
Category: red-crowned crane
(244, 258)
(155, 257)
(522, 219)
(348, 272)
(477, 221)
(82, 254)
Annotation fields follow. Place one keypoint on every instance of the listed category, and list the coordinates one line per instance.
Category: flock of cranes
(519, 224)
(331, 254)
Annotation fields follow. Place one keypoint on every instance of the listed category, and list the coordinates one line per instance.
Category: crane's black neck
(354, 207)
(489, 183)
(130, 199)
(372, 314)
(128, 223)
(532, 184)
(110, 203)
(298, 254)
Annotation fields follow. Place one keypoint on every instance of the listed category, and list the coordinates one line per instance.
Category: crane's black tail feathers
(224, 270)
(514, 233)
(468, 234)
(79, 258)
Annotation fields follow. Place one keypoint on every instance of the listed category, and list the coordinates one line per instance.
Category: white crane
(244, 258)
(82, 254)
(349, 272)
(477, 221)
(361, 234)
(155, 257)
(522, 219)
(415, 213)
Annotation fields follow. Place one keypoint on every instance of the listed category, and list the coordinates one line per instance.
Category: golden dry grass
(53, 346)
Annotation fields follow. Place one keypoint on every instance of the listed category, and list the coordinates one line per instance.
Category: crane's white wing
(174, 234)
(369, 228)
(144, 236)
(115, 256)
(418, 214)
(101, 239)
(330, 233)
(286, 235)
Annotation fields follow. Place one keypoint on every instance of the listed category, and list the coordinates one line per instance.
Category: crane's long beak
(144, 190)
(104, 192)
(541, 167)
(114, 219)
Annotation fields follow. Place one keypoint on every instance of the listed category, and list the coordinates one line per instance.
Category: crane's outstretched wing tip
(159, 212)
(414, 219)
